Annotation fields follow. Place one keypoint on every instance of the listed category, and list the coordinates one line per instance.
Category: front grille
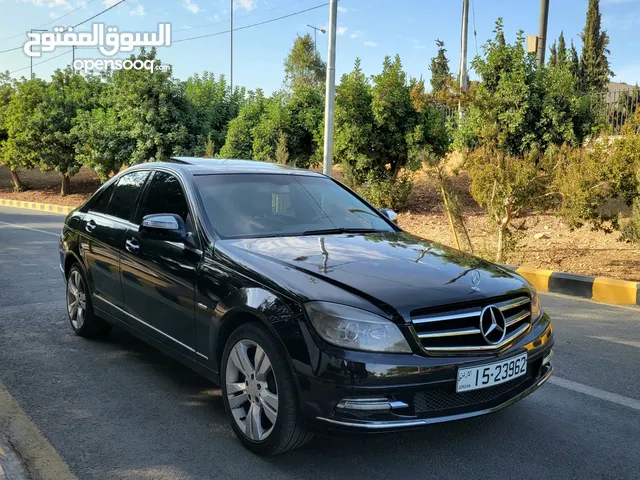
(443, 399)
(451, 330)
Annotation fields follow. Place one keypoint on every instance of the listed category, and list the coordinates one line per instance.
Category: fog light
(370, 404)
(546, 360)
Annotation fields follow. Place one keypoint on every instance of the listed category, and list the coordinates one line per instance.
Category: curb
(11, 467)
(43, 207)
(599, 289)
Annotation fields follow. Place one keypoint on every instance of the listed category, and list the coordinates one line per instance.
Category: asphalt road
(119, 409)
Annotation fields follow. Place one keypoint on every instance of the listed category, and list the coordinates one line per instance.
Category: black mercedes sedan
(311, 309)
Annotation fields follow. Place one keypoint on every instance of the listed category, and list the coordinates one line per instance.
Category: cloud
(247, 5)
(369, 43)
(342, 10)
(191, 6)
(356, 34)
(137, 12)
(110, 3)
(214, 18)
(48, 3)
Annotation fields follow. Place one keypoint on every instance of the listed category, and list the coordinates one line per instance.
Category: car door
(159, 276)
(102, 232)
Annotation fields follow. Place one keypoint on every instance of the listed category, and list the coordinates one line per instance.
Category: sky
(369, 29)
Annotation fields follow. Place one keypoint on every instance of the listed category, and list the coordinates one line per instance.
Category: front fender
(279, 315)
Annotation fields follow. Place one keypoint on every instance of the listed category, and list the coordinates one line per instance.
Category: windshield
(263, 205)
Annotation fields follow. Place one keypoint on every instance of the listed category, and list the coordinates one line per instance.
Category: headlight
(356, 329)
(536, 306)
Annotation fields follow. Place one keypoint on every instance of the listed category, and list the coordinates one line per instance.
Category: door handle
(90, 226)
(132, 245)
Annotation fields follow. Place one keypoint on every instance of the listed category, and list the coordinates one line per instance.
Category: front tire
(83, 320)
(259, 392)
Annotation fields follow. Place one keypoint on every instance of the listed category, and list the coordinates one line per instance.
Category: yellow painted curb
(609, 290)
(538, 278)
(43, 207)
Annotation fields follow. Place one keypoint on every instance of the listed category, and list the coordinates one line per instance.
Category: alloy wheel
(252, 390)
(76, 300)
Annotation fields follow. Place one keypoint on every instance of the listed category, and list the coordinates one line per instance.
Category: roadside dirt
(579, 251)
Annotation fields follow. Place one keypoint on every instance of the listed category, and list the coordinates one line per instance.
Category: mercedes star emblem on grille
(493, 325)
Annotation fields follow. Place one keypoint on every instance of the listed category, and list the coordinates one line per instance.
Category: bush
(388, 192)
(631, 230)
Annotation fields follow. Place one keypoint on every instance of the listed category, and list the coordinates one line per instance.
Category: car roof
(212, 166)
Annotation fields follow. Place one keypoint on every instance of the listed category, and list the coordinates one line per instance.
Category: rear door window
(125, 196)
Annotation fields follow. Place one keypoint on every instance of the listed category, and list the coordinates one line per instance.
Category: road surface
(118, 409)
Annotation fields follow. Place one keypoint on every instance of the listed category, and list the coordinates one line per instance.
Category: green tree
(553, 55)
(354, 132)
(214, 105)
(303, 117)
(574, 61)
(282, 154)
(563, 55)
(394, 117)
(275, 119)
(501, 128)
(65, 96)
(240, 134)
(21, 148)
(303, 66)
(209, 149)
(594, 64)
(6, 94)
(440, 73)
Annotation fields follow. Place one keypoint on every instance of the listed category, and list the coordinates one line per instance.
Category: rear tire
(83, 320)
(259, 392)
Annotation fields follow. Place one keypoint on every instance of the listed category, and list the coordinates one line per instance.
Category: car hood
(396, 269)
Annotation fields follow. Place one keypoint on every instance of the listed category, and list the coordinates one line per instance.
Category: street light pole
(330, 89)
(315, 35)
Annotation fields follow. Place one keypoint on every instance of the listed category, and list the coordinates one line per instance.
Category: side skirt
(189, 362)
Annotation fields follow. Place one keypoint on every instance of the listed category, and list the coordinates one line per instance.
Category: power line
(252, 25)
(40, 63)
(98, 14)
(52, 21)
(242, 16)
(76, 25)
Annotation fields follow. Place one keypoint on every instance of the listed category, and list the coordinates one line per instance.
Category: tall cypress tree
(594, 65)
(574, 60)
(440, 73)
(553, 56)
(562, 53)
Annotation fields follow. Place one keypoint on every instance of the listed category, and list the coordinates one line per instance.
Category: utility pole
(463, 51)
(542, 31)
(73, 58)
(330, 88)
(231, 75)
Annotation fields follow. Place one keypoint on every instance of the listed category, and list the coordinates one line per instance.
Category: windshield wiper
(328, 231)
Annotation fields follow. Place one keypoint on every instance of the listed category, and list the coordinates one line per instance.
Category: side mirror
(390, 214)
(163, 226)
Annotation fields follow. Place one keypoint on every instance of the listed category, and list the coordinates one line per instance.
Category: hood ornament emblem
(475, 280)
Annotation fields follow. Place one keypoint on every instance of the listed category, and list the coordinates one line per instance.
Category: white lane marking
(621, 341)
(29, 228)
(596, 392)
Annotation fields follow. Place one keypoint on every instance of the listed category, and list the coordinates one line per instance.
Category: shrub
(388, 192)
(631, 230)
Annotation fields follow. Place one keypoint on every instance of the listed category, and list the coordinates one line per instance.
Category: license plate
(474, 378)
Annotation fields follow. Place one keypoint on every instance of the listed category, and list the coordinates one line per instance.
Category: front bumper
(421, 389)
